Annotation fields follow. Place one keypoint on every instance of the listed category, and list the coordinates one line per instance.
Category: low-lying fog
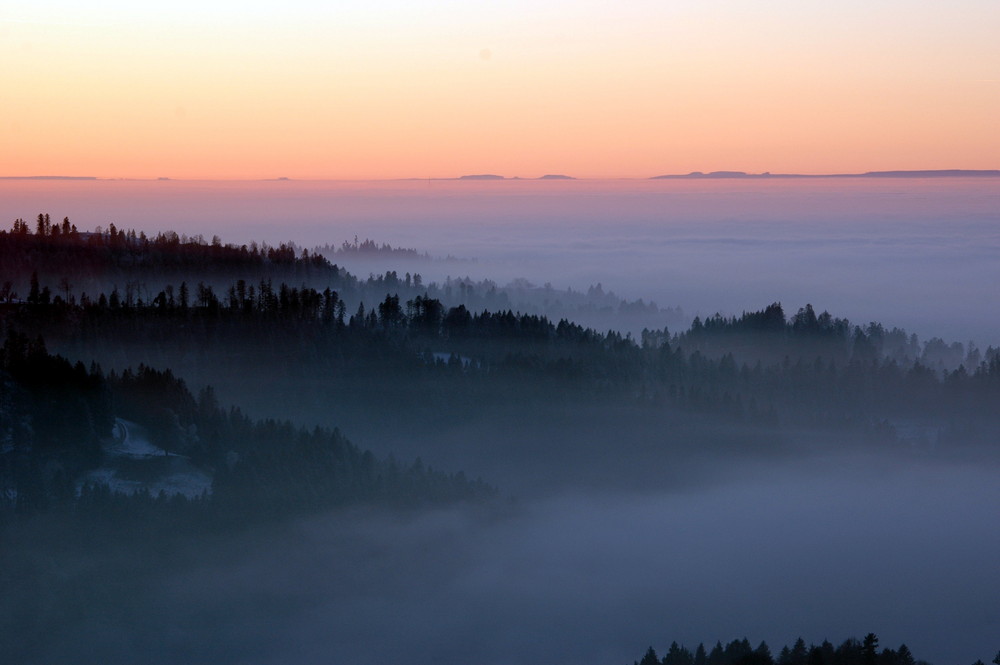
(829, 547)
(916, 253)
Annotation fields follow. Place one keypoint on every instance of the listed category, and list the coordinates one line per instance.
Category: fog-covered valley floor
(831, 546)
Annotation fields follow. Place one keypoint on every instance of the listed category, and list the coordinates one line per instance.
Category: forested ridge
(760, 367)
(55, 417)
(75, 263)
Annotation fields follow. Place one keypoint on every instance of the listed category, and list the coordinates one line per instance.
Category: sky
(392, 89)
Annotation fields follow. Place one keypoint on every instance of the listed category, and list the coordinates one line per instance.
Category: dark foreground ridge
(60, 454)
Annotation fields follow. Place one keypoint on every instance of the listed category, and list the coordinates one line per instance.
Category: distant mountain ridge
(928, 173)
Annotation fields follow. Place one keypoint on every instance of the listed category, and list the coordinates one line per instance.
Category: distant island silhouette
(931, 173)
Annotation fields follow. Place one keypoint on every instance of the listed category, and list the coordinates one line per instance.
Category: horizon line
(490, 177)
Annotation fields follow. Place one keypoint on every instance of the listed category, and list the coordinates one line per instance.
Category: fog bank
(829, 547)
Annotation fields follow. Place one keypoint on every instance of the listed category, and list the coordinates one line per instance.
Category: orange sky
(439, 89)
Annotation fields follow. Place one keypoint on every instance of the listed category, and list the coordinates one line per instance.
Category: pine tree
(650, 658)
(700, 657)
(869, 649)
(33, 294)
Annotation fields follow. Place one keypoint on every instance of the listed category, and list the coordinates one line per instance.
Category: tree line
(740, 652)
(761, 367)
(75, 263)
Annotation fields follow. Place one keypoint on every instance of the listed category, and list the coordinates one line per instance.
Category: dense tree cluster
(82, 261)
(369, 247)
(741, 652)
(767, 334)
(52, 417)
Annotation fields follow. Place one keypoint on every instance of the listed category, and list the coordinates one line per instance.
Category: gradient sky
(386, 89)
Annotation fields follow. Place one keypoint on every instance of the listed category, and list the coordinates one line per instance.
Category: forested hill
(57, 449)
(75, 264)
(59, 253)
(418, 354)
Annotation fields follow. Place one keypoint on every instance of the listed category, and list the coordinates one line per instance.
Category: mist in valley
(828, 547)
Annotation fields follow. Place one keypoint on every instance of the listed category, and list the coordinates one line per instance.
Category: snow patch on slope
(134, 464)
